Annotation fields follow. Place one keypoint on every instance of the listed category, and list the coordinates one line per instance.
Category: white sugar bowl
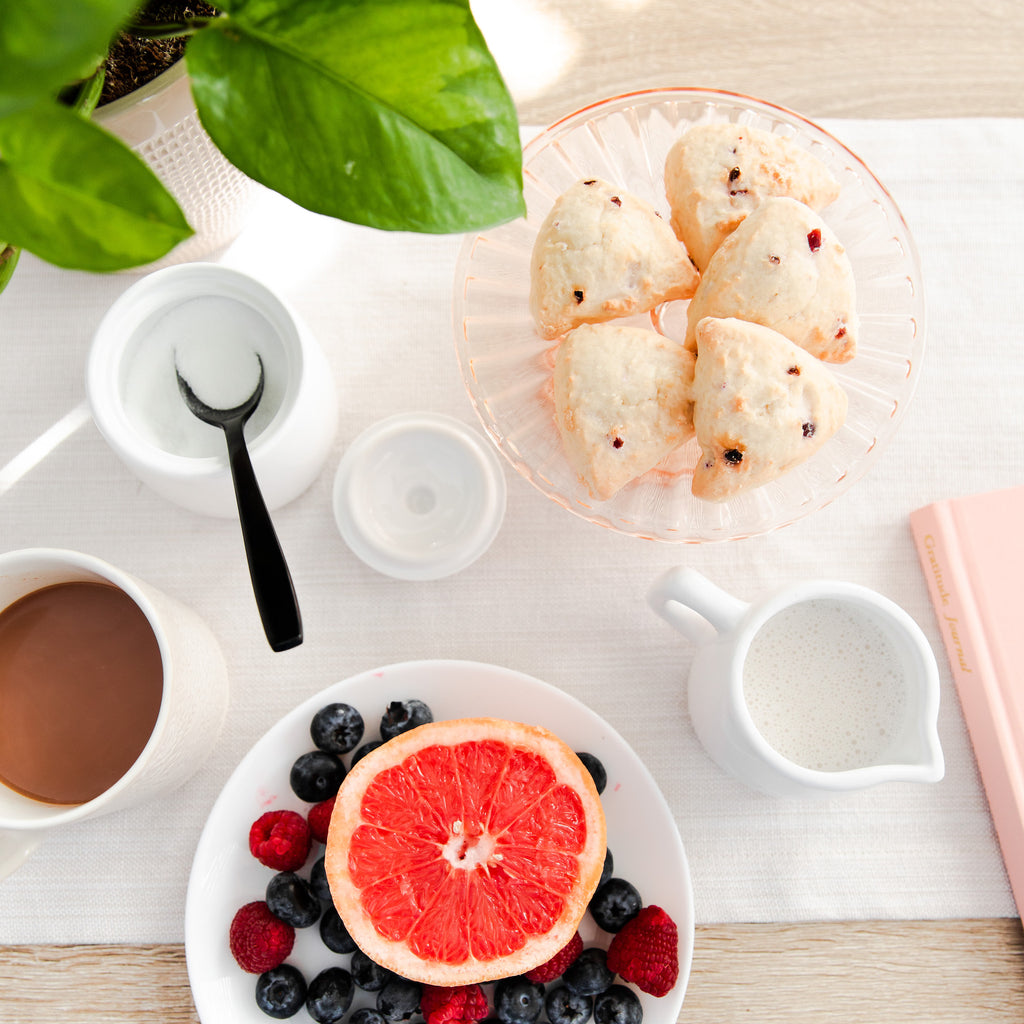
(133, 390)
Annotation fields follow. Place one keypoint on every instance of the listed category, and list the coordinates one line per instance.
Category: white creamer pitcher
(821, 687)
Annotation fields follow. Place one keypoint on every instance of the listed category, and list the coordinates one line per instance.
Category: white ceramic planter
(159, 122)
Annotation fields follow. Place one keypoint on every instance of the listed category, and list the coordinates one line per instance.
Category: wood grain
(899, 972)
(844, 58)
(942, 972)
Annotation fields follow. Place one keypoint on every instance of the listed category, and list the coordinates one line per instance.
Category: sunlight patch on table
(30, 456)
(533, 47)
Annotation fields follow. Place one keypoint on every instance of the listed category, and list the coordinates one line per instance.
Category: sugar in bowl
(135, 402)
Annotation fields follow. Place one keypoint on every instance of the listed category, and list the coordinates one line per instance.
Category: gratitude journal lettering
(945, 598)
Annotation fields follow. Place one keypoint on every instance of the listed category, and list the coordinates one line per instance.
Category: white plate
(642, 833)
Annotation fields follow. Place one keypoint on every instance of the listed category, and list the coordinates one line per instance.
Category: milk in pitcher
(824, 686)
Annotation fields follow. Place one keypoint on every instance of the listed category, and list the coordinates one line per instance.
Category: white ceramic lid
(419, 496)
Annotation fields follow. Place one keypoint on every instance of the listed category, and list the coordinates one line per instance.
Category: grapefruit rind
(485, 878)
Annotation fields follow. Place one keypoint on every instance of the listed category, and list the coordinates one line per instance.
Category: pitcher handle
(692, 604)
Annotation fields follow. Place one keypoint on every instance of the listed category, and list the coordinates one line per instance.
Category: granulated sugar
(231, 331)
(222, 372)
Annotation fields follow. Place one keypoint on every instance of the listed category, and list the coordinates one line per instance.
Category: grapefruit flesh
(465, 851)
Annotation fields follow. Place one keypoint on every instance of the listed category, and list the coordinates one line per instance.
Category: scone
(785, 269)
(762, 405)
(622, 402)
(602, 253)
(716, 174)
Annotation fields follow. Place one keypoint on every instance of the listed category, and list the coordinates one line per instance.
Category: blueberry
(316, 776)
(363, 751)
(564, 1006)
(588, 974)
(518, 1000)
(606, 870)
(335, 935)
(281, 991)
(369, 976)
(615, 902)
(318, 883)
(596, 769)
(292, 899)
(329, 995)
(619, 1005)
(399, 999)
(403, 715)
(367, 1015)
(337, 728)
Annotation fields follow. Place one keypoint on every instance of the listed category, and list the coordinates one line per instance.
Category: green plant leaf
(390, 113)
(79, 198)
(47, 44)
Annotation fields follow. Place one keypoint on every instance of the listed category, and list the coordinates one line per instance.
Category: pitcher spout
(930, 764)
(921, 760)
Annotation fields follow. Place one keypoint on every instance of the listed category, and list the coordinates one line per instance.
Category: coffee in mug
(111, 693)
(81, 680)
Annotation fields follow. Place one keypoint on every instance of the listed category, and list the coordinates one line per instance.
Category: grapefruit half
(465, 851)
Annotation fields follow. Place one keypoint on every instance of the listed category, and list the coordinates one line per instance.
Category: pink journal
(972, 553)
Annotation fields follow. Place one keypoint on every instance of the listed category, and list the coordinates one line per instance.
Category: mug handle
(692, 604)
(15, 849)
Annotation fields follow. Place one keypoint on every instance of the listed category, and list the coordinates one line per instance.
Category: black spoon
(271, 580)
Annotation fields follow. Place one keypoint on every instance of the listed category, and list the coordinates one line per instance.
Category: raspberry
(259, 941)
(319, 819)
(646, 951)
(464, 1004)
(280, 840)
(555, 967)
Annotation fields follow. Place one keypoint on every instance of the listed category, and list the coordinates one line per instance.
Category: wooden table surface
(844, 58)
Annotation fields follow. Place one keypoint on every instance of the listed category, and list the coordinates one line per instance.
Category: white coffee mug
(819, 688)
(192, 707)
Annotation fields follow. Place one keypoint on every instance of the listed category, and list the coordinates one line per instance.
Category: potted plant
(387, 113)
